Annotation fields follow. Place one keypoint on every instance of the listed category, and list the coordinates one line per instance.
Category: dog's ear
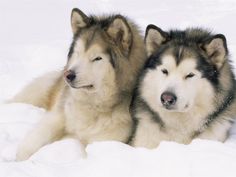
(216, 49)
(120, 33)
(78, 20)
(154, 38)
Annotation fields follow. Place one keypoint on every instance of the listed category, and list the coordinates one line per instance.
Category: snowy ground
(34, 39)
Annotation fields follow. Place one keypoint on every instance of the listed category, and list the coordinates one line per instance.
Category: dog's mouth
(88, 87)
(176, 109)
(73, 85)
(169, 108)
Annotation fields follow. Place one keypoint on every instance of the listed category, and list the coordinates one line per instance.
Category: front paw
(24, 152)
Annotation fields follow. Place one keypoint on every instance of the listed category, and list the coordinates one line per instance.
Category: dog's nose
(168, 99)
(70, 75)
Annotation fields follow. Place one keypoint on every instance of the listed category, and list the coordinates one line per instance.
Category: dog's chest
(181, 128)
(89, 125)
(82, 122)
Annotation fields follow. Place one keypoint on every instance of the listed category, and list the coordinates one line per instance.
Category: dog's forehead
(169, 60)
(87, 45)
(187, 62)
(185, 58)
(79, 46)
(179, 55)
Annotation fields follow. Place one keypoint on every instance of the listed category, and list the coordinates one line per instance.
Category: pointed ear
(154, 38)
(216, 49)
(78, 20)
(120, 33)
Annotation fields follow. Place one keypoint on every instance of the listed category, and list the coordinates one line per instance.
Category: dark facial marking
(112, 57)
(71, 50)
(90, 39)
(155, 59)
(138, 102)
(228, 101)
(208, 71)
(178, 53)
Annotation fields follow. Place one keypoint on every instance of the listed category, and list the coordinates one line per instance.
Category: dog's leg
(147, 134)
(218, 131)
(49, 129)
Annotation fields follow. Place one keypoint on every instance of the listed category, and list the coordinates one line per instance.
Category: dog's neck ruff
(210, 118)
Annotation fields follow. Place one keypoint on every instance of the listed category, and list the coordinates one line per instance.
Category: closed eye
(97, 59)
(164, 71)
(190, 75)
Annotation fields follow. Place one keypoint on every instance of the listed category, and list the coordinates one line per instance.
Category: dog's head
(100, 46)
(183, 68)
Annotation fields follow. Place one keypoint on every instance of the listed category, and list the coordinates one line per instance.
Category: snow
(34, 39)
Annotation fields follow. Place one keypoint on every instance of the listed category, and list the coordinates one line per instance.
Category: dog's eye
(190, 75)
(164, 71)
(97, 59)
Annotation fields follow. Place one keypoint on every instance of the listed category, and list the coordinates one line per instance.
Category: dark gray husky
(186, 90)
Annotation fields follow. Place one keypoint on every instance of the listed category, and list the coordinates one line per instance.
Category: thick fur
(105, 56)
(194, 66)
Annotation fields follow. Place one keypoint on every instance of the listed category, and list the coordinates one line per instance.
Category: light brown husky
(90, 99)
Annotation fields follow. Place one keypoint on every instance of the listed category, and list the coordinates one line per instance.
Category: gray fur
(211, 115)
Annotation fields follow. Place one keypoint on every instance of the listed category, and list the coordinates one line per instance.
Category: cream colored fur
(91, 114)
(182, 120)
(192, 68)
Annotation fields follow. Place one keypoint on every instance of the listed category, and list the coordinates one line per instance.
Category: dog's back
(42, 91)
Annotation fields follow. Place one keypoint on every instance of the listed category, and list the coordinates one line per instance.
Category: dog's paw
(24, 152)
(22, 156)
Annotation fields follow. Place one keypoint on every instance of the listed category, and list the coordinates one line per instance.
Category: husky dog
(90, 99)
(186, 90)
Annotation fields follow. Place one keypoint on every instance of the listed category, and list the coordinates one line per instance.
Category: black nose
(70, 75)
(168, 99)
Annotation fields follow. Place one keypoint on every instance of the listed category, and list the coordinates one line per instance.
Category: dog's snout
(168, 99)
(70, 75)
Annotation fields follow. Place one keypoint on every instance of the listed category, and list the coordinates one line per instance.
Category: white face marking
(89, 69)
(183, 80)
